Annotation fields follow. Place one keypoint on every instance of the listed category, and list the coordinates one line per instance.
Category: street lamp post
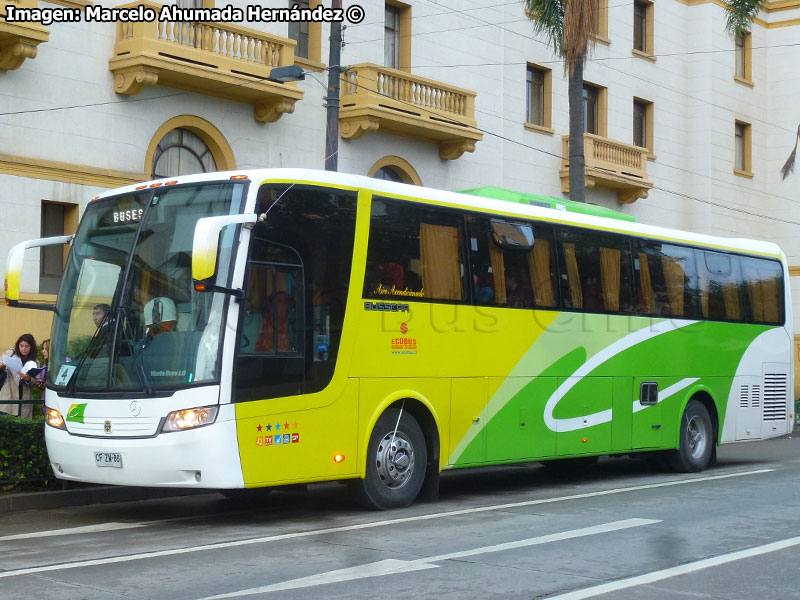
(296, 73)
(334, 69)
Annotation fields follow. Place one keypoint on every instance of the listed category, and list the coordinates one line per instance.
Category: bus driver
(159, 315)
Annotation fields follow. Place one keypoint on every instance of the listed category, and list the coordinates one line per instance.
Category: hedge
(23, 454)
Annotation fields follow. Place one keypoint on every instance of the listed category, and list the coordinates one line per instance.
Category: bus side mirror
(206, 244)
(14, 266)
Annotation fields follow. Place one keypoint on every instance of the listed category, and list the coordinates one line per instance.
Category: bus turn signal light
(338, 458)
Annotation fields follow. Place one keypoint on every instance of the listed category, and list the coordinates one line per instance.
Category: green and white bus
(284, 326)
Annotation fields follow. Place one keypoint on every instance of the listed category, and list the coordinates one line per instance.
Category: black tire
(696, 437)
(396, 463)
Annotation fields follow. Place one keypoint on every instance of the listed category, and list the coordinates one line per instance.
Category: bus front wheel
(396, 460)
(696, 440)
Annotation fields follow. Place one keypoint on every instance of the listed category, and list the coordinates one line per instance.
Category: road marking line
(699, 565)
(75, 530)
(315, 532)
(394, 566)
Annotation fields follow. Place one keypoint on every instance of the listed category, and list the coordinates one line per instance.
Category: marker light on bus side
(180, 420)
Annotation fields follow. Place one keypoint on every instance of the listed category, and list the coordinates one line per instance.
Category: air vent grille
(775, 395)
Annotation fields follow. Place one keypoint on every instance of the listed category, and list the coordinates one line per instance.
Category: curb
(93, 495)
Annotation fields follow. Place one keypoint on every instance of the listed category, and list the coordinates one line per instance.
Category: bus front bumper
(206, 457)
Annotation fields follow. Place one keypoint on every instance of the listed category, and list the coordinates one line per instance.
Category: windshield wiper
(136, 352)
(93, 347)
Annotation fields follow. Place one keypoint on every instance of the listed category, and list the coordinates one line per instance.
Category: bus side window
(666, 280)
(718, 286)
(595, 271)
(414, 253)
(521, 277)
(763, 284)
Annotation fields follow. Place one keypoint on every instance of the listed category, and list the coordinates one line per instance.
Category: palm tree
(570, 27)
(740, 15)
(788, 166)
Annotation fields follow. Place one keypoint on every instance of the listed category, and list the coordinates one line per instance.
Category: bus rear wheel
(396, 460)
(696, 440)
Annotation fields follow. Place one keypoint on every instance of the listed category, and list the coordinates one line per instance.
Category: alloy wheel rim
(394, 459)
(696, 437)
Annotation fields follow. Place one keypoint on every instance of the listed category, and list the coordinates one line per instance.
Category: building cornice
(769, 7)
(779, 5)
(36, 168)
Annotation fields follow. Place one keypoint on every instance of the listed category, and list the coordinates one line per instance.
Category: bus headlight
(54, 418)
(189, 418)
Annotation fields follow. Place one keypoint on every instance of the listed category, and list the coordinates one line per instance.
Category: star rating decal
(279, 439)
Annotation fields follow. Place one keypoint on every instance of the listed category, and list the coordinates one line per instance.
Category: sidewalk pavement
(19, 501)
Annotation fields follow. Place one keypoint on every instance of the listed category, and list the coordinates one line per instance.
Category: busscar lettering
(45, 16)
(386, 307)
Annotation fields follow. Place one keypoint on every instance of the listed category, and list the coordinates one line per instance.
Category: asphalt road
(622, 531)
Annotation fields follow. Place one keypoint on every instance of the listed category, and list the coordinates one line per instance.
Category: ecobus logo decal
(386, 306)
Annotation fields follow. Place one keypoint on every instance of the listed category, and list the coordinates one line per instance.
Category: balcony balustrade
(217, 59)
(610, 164)
(19, 41)
(379, 98)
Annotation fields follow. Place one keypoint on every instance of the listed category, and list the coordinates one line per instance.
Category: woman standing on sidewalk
(16, 385)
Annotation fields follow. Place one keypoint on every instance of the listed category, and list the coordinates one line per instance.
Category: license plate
(108, 459)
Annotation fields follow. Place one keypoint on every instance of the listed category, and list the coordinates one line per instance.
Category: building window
(589, 109)
(391, 38)
(601, 21)
(298, 31)
(743, 58)
(397, 36)
(535, 96)
(57, 219)
(538, 97)
(181, 152)
(308, 35)
(388, 174)
(595, 103)
(643, 124)
(394, 168)
(643, 28)
(743, 152)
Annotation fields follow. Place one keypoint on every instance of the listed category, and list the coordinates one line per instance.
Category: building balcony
(216, 59)
(19, 41)
(379, 98)
(610, 164)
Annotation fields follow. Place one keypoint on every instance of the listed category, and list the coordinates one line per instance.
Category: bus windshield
(127, 317)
